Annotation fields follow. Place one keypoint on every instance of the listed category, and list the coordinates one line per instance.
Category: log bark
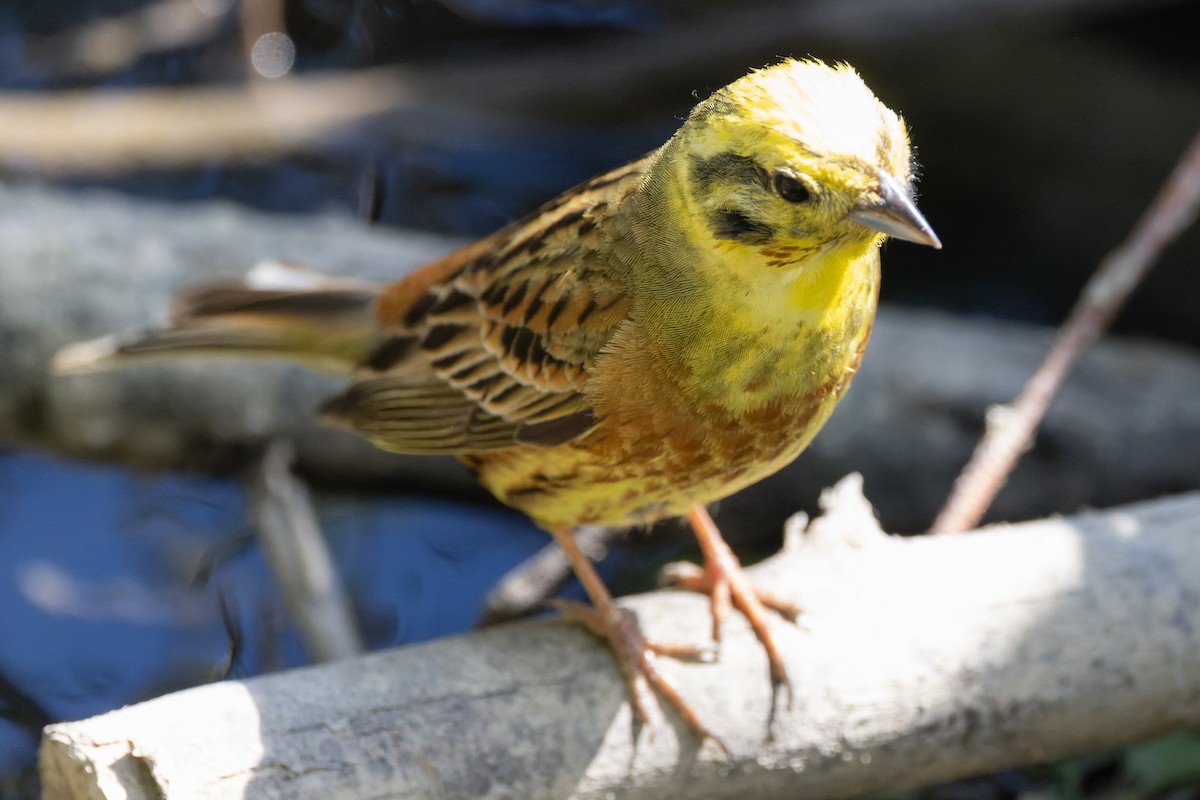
(917, 660)
(78, 265)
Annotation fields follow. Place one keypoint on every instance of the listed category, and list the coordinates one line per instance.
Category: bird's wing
(492, 345)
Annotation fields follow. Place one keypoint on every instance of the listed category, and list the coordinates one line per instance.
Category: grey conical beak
(890, 210)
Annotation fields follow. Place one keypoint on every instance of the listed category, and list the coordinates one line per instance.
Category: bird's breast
(695, 400)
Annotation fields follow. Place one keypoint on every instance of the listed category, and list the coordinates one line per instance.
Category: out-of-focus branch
(534, 581)
(109, 131)
(283, 515)
(1010, 429)
(79, 265)
(259, 19)
(100, 47)
(115, 130)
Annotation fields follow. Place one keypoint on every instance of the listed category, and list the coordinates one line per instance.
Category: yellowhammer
(648, 342)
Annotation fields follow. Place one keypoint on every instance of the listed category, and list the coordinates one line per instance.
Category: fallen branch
(282, 513)
(73, 265)
(917, 661)
(80, 265)
(525, 588)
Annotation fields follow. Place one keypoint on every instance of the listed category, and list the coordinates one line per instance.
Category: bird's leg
(637, 657)
(724, 580)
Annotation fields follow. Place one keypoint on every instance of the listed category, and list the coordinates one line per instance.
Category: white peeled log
(917, 660)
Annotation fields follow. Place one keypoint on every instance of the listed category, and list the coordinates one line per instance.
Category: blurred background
(1042, 130)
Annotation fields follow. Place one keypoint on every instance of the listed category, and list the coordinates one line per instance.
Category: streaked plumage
(648, 342)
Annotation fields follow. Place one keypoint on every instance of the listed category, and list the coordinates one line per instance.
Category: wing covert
(492, 345)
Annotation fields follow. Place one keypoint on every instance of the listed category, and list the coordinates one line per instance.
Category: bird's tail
(278, 311)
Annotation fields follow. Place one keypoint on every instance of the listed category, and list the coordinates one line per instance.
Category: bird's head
(797, 158)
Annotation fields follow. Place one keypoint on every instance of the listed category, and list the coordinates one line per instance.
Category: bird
(637, 348)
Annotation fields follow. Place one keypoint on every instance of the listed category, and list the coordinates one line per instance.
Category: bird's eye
(790, 188)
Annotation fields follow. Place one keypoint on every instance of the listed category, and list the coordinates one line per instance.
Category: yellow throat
(761, 221)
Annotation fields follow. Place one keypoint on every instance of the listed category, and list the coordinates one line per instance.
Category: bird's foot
(638, 660)
(726, 583)
(637, 657)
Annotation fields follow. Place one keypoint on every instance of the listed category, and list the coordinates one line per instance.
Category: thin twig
(300, 561)
(1010, 428)
(259, 18)
(527, 586)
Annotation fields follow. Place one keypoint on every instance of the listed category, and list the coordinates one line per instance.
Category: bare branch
(1010, 429)
(258, 19)
(535, 580)
(295, 548)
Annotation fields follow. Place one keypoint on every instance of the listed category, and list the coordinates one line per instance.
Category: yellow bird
(651, 341)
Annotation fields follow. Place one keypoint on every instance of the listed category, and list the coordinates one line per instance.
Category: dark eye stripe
(736, 226)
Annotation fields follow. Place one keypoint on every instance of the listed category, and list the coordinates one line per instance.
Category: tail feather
(321, 322)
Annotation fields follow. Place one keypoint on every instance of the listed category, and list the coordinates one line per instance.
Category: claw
(637, 657)
(726, 583)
